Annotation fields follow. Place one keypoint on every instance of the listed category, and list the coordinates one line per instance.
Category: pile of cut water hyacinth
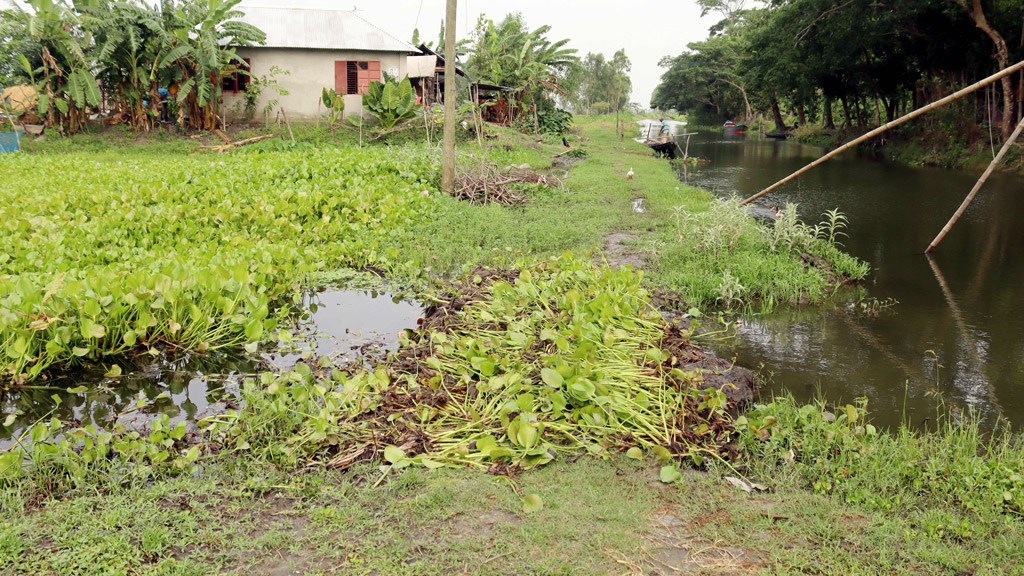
(510, 369)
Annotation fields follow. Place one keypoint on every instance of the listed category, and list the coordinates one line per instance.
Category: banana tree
(202, 54)
(63, 80)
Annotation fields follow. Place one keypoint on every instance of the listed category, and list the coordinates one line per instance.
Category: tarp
(9, 142)
(21, 99)
(421, 66)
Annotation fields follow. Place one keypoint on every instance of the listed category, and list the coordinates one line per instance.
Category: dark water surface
(343, 325)
(958, 329)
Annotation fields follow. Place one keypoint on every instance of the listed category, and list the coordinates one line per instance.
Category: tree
(1002, 57)
(604, 80)
(509, 54)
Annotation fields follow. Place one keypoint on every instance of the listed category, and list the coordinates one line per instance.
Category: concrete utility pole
(448, 160)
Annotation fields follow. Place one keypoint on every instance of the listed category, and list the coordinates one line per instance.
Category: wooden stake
(893, 124)
(448, 155)
(287, 123)
(974, 191)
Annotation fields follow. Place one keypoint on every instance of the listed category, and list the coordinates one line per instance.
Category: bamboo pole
(974, 191)
(887, 126)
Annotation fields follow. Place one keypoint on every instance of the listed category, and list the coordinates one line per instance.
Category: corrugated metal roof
(320, 29)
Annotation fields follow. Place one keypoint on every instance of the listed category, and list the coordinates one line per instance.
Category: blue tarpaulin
(9, 141)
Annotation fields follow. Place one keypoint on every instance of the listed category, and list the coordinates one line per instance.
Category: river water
(956, 335)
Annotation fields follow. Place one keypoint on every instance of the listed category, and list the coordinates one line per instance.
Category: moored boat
(731, 126)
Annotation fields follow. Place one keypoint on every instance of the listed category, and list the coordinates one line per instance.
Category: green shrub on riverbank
(962, 483)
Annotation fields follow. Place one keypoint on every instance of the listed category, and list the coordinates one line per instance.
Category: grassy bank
(544, 419)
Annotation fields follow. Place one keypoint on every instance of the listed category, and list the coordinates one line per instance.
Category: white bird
(629, 175)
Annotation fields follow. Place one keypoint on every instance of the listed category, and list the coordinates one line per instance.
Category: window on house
(236, 82)
(354, 77)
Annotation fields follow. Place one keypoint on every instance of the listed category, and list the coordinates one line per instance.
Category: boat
(731, 126)
(777, 135)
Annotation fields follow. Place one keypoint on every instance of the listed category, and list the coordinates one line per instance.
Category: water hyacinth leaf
(635, 453)
(552, 377)
(670, 473)
(394, 454)
(113, 372)
(532, 503)
(10, 419)
(661, 453)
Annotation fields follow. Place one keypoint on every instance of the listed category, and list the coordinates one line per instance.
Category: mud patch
(671, 549)
(467, 527)
(618, 253)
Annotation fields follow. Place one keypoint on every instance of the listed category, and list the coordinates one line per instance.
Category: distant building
(320, 49)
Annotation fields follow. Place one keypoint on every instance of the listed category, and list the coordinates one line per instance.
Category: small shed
(428, 78)
(319, 49)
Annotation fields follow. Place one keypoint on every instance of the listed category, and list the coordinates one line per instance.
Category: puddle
(347, 326)
(343, 325)
(638, 206)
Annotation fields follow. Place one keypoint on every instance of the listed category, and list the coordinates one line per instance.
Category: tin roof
(320, 29)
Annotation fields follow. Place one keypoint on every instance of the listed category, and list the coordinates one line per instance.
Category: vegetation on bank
(110, 257)
(543, 359)
(852, 66)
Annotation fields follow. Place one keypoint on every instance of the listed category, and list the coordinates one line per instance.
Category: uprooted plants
(509, 370)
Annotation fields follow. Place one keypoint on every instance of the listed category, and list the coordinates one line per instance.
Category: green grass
(600, 517)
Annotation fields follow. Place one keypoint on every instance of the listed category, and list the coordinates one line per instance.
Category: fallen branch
(224, 147)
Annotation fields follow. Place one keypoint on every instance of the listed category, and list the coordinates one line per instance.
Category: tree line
(851, 63)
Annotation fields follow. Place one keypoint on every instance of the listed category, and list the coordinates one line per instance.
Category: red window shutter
(374, 71)
(242, 80)
(341, 76)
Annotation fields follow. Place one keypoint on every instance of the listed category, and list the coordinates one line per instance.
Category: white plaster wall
(310, 71)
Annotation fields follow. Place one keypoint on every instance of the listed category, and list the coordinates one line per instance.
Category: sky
(647, 29)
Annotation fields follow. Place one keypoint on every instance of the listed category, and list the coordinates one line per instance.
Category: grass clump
(956, 482)
(721, 255)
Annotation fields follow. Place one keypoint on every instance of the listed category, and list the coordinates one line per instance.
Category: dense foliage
(108, 257)
(133, 49)
(867, 61)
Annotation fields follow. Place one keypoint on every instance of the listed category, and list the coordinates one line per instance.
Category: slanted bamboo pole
(974, 191)
(288, 124)
(887, 126)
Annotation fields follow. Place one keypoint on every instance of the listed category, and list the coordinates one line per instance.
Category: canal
(954, 338)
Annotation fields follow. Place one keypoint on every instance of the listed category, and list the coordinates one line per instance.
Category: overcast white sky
(647, 29)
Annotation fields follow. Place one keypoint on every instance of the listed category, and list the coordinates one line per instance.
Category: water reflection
(343, 325)
(956, 332)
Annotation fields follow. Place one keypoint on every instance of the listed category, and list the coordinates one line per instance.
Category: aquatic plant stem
(977, 186)
(885, 127)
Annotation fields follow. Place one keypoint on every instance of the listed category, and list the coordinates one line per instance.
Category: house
(320, 49)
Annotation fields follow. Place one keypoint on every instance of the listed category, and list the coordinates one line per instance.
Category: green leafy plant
(390, 102)
(335, 104)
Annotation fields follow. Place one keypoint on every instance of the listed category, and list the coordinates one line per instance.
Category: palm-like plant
(63, 79)
(510, 54)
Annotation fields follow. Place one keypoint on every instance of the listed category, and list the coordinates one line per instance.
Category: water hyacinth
(103, 262)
